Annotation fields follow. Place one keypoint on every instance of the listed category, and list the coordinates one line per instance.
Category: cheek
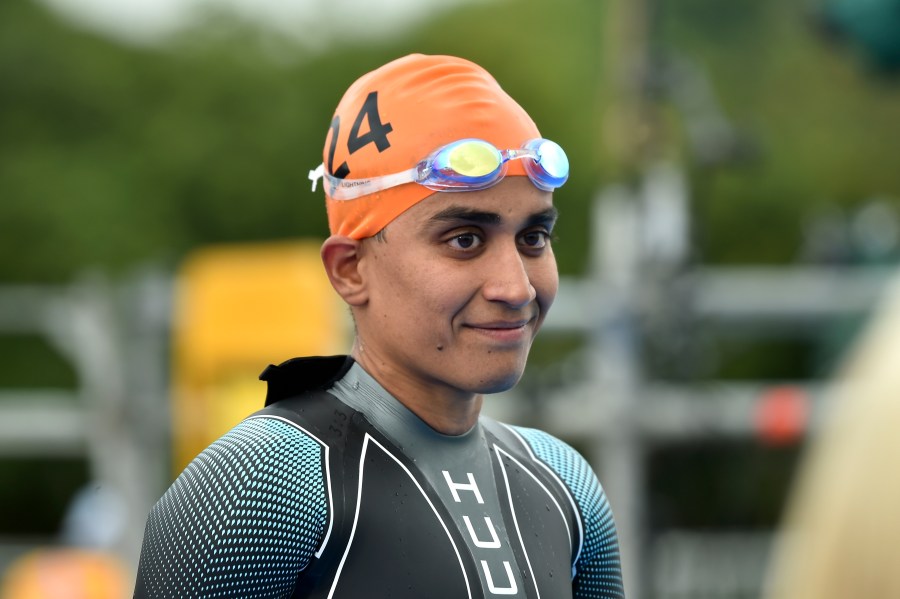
(441, 294)
(545, 280)
(421, 294)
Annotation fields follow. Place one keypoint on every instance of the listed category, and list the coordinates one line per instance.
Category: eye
(465, 241)
(537, 239)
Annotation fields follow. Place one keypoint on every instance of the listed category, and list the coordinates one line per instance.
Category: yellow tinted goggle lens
(474, 159)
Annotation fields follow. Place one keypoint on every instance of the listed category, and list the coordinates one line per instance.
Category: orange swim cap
(396, 115)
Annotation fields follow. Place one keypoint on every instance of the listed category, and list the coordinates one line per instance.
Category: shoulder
(570, 466)
(246, 514)
(261, 452)
(262, 457)
(597, 567)
(259, 448)
(562, 458)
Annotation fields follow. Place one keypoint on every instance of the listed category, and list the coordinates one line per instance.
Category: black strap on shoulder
(301, 375)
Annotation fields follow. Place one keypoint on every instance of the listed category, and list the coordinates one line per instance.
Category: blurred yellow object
(841, 528)
(66, 574)
(237, 309)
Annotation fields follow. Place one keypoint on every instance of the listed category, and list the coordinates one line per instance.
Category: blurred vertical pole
(631, 137)
(629, 121)
(147, 299)
(616, 373)
(83, 326)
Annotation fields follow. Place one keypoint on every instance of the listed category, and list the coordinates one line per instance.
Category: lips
(504, 332)
(501, 324)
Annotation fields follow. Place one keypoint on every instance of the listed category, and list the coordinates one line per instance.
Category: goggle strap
(316, 174)
(344, 189)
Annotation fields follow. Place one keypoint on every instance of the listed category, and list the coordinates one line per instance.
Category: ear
(341, 257)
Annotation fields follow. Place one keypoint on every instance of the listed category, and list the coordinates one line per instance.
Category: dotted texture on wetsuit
(598, 572)
(242, 520)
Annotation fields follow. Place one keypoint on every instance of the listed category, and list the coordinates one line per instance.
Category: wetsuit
(337, 490)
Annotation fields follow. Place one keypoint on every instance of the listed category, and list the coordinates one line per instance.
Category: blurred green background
(783, 114)
(113, 155)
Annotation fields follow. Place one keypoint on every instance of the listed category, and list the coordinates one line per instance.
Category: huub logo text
(491, 540)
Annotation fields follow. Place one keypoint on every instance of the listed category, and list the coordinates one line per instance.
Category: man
(373, 475)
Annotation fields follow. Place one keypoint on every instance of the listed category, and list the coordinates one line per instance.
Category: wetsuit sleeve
(597, 570)
(242, 520)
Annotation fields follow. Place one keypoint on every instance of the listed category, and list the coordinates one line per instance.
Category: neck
(447, 410)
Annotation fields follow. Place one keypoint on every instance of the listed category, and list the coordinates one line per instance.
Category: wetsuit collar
(358, 389)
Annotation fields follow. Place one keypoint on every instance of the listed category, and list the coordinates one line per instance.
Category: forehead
(513, 201)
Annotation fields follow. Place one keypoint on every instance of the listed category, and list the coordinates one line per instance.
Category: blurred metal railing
(115, 337)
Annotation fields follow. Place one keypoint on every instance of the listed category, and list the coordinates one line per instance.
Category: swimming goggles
(464, 165)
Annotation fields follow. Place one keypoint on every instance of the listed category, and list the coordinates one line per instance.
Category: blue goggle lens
(550, 169)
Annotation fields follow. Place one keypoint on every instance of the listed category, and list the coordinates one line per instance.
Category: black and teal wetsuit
(347, 494)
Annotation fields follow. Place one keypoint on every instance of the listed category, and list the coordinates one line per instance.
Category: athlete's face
(457, 290)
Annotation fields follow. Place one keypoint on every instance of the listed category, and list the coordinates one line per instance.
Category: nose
(507, 278)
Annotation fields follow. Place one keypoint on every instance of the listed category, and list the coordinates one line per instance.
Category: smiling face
(457, 290)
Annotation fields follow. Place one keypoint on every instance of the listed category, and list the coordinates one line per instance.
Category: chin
(499, 382)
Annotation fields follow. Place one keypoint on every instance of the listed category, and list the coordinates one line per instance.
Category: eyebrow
(546, 217)
(459, 213)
